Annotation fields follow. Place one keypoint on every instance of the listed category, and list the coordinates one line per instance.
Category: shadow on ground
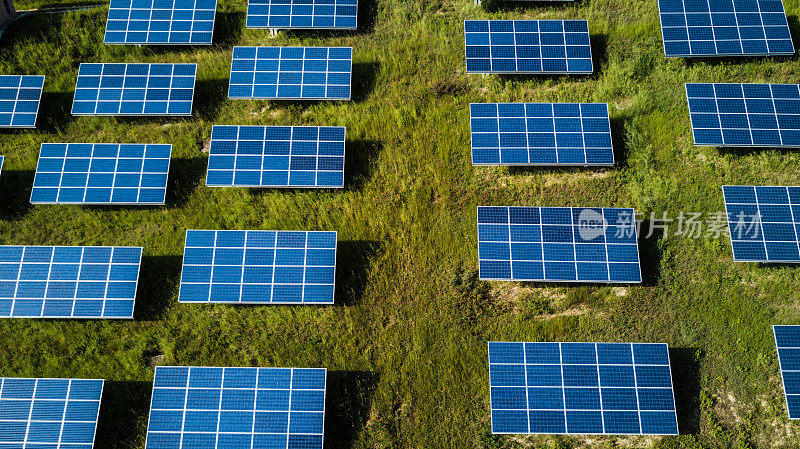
(349, 398)
(353, 260)
(685, 366)
(159, 281)
(123, 414)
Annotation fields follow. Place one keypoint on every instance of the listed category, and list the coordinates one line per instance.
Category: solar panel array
(201, 407)
(49, 413)
(787, 340)
(558, 244)
(276, 156)
(19, 100)
(745, 115)
(302, 14)
(68, 281)
(528, 46)
(581, 388)
(541, 134)
(763, 222)
(176, 22)
(101, 173)
(291, 73)
(724, 27)
(259, 267)
(134, 89)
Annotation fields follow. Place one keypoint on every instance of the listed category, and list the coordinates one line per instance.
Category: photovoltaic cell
(745, 115)
(528, 46)
(68, 281)
(302, 14)
(787, 340)
(763, 222)
(291, 73)
(161, 22)
(49, 413)
(276, 156)
(230, 408)
(724, 28)
(558, 244)
(101, 173)
(541, 134)
(134, 89)
(581, 388)
(19, 100)
(259, 267)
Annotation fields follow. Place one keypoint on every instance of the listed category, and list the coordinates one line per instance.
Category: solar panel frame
(2, 160)
(541, 379)
(271, 20)
(523, 134)
(40, 296)
(789, 365)
(40, 430)
(29, 86)
(120, 11)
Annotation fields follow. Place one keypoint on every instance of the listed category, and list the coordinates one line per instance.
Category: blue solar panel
(235, 408)
(176, 22)
(745, 115)
(276, 156)
(787, 340)
(581, 388)
(291, 73)
(49, 413)
(302, 14)
(134, 89)
(541, 134)
(259, 267)
(558, 244)
(19, 100)
(763, 222)
(724, 28)
(68, 281)
(2, 159)
(528, 46)
(101, 173)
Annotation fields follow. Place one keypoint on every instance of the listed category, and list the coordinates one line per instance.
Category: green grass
(406, 342)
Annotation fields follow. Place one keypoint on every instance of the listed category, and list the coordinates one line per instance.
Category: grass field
(405, 344)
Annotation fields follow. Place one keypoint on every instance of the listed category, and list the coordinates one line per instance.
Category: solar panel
(528, 46)
(291, 73)
(49, 413)
(762, 222)
(134, 89)
(745, 115)
(581, 388)
(101, 173)
(68, 281)
(259, 267)
(2, 159)
(175, 22)
(787, 340)
(558, 244)
(276, 156)
(302, 14)
(541, 134)
(724, 28)
(19, 100)
(227, 408)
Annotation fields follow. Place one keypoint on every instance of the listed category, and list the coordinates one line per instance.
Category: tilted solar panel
(68, 281)
(234, 408)
(581, 388)
(763, 222)
(161, 22)
(101, 173)
(558, 244)
(19, 100)
(302, 14)
(2, 159)
(745, 115)
(134, 89)
(49, 413)
(276, 156)
(291, 73)
(787, 340)
(541, 134)
(528, 46)
(724, 28)
(259, 267)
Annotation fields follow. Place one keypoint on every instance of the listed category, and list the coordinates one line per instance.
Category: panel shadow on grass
(363, 81)
(522, 6)
(228, 27)
(208, 97)
(55, 111)
(159, 279)
(15, 193)
(124, 408)
(619, 141)
(360, 158)
(348, 401)
(352, 263)
(649, 253)
(185, 175)
(685, 366)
